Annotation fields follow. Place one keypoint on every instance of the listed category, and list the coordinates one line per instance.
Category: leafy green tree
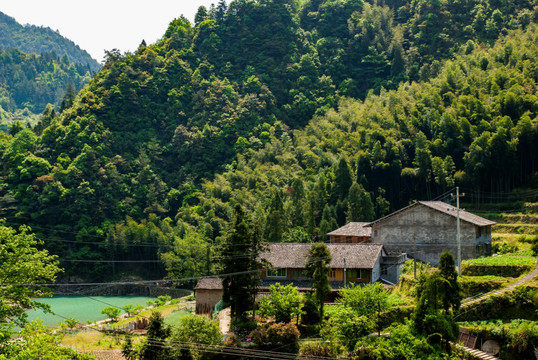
(317, 267)
(23, 263)
(343, 179)
(275, 223)
(284, 303)
(346, 326)
(111, 312)
(195, 331)
(451, 295)
(153, 348)
(364, 300)
(360, 206)
(188, 257)
(240, 265)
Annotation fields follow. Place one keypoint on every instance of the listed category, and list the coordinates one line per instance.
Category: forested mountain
(309, 114)
(38, 67)
(39, 40)
(32, 81)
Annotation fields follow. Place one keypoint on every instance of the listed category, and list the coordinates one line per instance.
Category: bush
(475, 285)
(311, 314)
(316, 349)
(242, 327)
(195, 330)
(162, 300)
(111, 312)
(364, 300)
(345, 326)
(277, 337)
(283, 303)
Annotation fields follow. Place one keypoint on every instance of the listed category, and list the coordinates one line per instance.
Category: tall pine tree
(241, 265)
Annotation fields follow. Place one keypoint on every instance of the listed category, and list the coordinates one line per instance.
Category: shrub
(311, 314)
(111, 312)
(345, 326)
(283, 303)
(366, 299)
(316, 349)
(277, 337)
(242, 327)
(162, 300)
(196, 331)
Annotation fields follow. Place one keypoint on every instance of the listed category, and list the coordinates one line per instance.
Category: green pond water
(82, 308)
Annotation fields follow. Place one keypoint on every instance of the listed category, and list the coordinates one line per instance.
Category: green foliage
(505, 265)
(111, 312)
(516, 338)
(346, 326)
(196, 331)
(284, 303)
(23, 263)
(518, 304)
(278, 337)
(264, 98)
(317, 267)
(152, 348)
(162, 300)
(241, 265)
(402, 343)
(364, 300)
(475, 285)
(39, 343)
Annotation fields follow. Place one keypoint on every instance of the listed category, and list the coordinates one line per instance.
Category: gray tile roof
(353, 229)
(452, 210)
(209, 283)
(446, 209)
(357, 256)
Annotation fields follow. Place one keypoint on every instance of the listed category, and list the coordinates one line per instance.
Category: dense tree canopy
(308, 115)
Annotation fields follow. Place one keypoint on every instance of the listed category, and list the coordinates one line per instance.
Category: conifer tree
(241, 264)
(317, 267)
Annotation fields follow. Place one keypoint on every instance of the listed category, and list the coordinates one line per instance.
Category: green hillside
(309, 115)
(38, 40)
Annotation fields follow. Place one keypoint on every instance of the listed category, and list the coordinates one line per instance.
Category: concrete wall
(376, 271)
(206, 300)
(433, 231)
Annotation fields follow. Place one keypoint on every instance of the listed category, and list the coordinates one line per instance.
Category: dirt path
(224, 320)
(470, 301)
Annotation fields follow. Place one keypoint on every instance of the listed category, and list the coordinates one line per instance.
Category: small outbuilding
(208, 293)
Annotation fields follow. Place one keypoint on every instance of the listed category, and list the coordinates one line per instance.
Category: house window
(349, 239)
(364, 274)
(276, 273)
(332, 274)
(352, 273)
(375, 232)
(299, 273)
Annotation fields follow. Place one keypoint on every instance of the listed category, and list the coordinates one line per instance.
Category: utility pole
(415, 242)
(458, 228)
(344, 272)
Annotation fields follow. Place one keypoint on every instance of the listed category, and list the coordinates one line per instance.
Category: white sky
(99, 25)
